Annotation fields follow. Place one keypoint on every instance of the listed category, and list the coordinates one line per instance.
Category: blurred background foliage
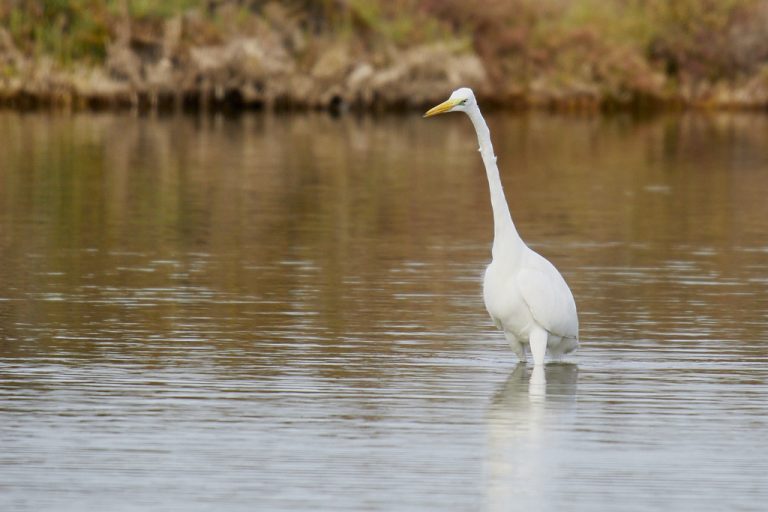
(615, 50)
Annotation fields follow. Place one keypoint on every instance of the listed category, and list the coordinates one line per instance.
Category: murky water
(284, 313)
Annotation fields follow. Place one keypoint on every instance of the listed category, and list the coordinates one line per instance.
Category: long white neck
(506, 240)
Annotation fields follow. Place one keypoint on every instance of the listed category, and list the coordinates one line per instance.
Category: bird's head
(461, 100)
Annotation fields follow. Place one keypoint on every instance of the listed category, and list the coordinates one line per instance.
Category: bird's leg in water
(538, 341)
(516, 346)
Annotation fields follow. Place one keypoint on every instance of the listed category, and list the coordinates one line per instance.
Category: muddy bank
(294, 55)
(276, 64)
(245, 73)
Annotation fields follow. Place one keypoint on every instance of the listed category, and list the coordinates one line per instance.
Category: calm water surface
(284, 313)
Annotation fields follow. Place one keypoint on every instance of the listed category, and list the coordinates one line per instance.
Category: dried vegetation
(371, 54)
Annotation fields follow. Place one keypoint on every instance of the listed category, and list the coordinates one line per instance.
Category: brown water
(284, 313)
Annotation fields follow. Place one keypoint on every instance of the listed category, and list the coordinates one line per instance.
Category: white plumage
(524, 293)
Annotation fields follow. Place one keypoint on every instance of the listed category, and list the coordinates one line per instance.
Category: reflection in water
(286, 311)
(520, 433)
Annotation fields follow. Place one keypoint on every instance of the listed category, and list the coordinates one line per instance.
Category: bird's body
(531, 299)
(524, 294)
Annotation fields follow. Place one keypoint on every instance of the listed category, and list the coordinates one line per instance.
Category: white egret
(524, 293)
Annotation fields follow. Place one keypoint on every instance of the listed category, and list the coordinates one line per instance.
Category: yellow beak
(442, 108)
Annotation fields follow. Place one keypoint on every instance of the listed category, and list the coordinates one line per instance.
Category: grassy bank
(375, 54)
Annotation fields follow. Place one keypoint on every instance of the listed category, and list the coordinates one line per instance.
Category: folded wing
(548, 296)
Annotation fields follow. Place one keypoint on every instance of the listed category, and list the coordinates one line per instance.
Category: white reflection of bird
(530, 419)
(524, 293)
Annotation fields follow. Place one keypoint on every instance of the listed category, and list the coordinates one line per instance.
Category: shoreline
(232, 101)
(372, 56)
(359, 87)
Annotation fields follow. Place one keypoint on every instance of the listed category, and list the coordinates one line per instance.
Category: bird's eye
(463, 102)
